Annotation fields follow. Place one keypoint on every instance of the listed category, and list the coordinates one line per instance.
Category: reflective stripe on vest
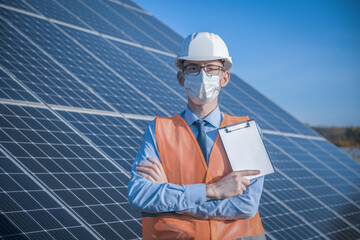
(184, 163)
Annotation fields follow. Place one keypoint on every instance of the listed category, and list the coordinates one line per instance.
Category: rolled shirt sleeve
(237, 207)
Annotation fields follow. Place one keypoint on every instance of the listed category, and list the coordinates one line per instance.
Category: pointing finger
(249, 172)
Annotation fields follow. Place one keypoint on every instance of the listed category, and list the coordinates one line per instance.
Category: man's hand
(232, 184)
(152, 171)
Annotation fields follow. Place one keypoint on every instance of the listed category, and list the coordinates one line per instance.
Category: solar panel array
(80, 81)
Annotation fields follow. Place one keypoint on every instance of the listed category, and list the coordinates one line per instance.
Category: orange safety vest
(184, 163)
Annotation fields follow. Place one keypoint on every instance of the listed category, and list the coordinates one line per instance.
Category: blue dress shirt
(189, 199)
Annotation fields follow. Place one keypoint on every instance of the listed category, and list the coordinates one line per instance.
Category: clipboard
(245, 148)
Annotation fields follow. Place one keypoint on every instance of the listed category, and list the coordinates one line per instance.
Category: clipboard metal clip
(237, 127)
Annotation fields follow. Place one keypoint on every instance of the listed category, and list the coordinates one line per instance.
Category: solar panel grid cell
(133, 32)
(165, 74)
(331, 172)
(318, 193)
(28, 211)
(127, 2)
(53, 10)
(132, 74)
(93, 19)
(59, 171)
(142, 124)
(161, 27)
(273, 118)
(86, 68)
(272, 107)
(336, 155)
(40, 74)
(148, 30)
(19, 4)
(10, 89)
(282, 223)
(339, 173)
(233, 102)
(272, 121)
(168, 59)
(117, 138)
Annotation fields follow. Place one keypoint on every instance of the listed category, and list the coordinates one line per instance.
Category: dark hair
(181, 63)
(222, 62)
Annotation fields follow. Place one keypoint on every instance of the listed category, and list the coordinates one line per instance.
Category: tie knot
(200, 124)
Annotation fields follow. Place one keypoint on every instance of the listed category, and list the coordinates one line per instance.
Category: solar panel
(12, 89)
(77, 172)
(28, 210)
(80, 82)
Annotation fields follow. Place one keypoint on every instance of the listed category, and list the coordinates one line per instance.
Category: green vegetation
(348, 137)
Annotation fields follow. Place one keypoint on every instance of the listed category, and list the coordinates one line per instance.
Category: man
(181, 178)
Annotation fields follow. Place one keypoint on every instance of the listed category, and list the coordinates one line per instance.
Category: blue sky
(304, 55)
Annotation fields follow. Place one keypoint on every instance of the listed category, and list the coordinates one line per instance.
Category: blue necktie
(201, 138)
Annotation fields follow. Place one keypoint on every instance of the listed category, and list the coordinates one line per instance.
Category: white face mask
(202, 88)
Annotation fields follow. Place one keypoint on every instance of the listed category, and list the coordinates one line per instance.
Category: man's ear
(180, 78)
(225, 79)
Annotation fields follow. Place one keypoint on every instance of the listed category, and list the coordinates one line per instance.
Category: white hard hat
(203, 46)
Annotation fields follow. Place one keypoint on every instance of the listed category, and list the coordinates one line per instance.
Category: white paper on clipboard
(245, 148)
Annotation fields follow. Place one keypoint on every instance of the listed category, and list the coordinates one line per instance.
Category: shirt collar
(214, 118)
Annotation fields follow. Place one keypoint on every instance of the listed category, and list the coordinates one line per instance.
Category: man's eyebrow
(213, 64)
(191, 64)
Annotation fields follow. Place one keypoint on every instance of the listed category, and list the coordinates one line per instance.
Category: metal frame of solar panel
(81, 80)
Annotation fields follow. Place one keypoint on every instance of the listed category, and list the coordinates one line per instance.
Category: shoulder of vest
(174, 119)
(236, 117)
(168, 118)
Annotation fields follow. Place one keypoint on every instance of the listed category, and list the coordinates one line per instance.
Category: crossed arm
(231, 185)
(229, 198)
(233, 197)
